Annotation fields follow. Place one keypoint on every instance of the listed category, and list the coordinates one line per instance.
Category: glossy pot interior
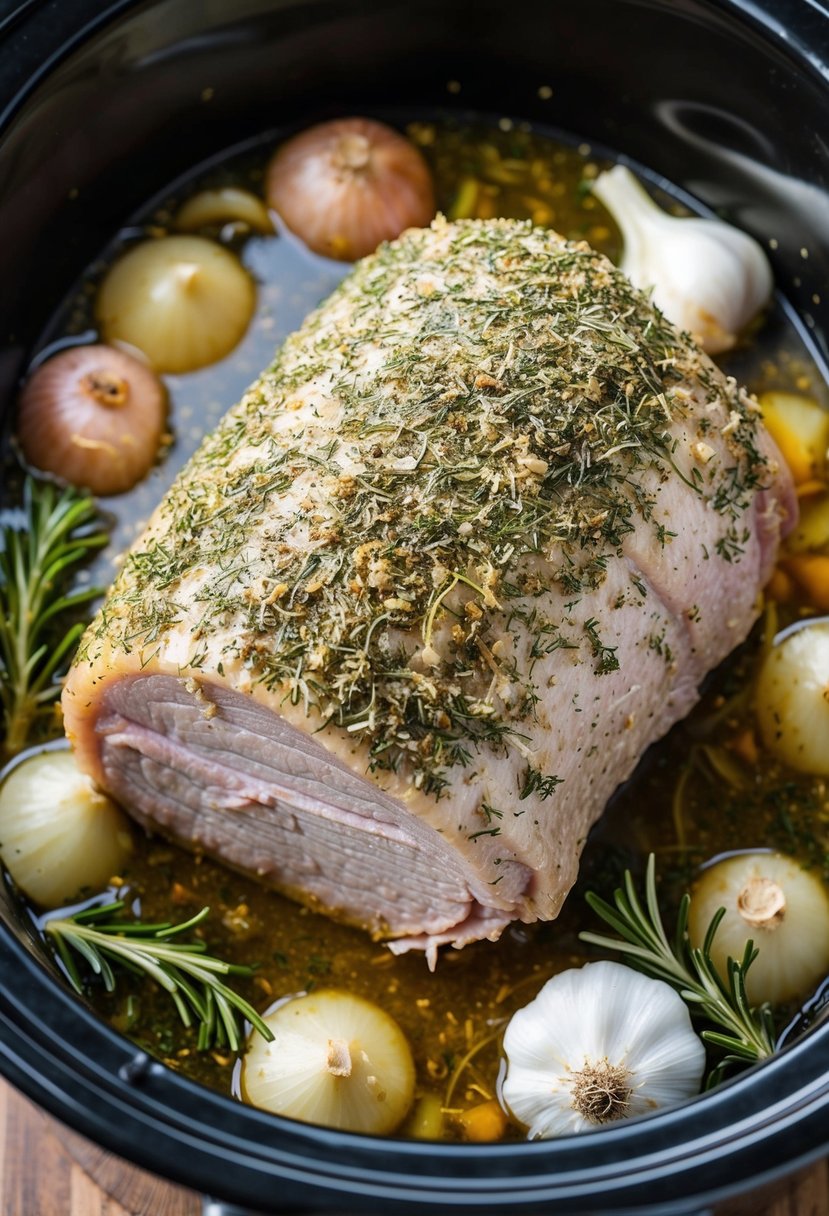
(105, 106)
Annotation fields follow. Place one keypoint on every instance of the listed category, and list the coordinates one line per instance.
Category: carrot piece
(809, 489)
(811, 572)
(744, 745)
(487, 1121)
(781, 586)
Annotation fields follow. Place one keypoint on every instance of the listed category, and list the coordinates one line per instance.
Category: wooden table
(46, 1170)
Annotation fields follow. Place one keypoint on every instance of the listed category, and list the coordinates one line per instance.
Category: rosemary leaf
(746, 1033)
(59, 529)
(183, 969)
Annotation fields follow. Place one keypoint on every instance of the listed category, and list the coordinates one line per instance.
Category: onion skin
(94, 416)
(345, 186)
(183, 301)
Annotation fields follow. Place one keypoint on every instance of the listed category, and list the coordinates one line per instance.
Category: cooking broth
(702, 791)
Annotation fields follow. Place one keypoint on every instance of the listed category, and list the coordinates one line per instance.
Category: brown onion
(347, 185)
(94, 416)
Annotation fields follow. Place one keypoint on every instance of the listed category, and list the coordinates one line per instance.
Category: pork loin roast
(419, 604)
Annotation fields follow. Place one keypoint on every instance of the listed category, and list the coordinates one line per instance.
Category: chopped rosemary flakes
(478, 416)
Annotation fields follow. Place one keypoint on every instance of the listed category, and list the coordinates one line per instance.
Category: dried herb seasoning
(464, 426)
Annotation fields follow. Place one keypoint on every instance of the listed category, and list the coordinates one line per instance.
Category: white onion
(94, 416)
(223, 206)
(184, 301)
(347, 185)
(781, 907)
(792, 699)
(335, 1060)
(59, 836)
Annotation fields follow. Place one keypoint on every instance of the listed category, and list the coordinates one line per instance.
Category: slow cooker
(100, 106)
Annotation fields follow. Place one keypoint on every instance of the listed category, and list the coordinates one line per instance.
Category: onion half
(227, 205)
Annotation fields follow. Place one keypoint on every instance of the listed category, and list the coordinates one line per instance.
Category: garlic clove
(335, 1060)
(771, 900)
(60, 837)
(94, 416)
(210, 208)
(706, 276)
(345, 186)
(792, 698)
(598, 1044)
(184, 301)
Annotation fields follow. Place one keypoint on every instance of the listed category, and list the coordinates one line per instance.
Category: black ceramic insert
(100, 106)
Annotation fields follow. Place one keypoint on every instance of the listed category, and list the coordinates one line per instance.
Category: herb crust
(477, 416)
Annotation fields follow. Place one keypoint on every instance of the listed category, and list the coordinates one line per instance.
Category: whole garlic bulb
(345, 186)
(335, 1060)
(59, 836)
(598, 1043)
(706, 276)
(771, 900)
(183, 301)
(792, 697)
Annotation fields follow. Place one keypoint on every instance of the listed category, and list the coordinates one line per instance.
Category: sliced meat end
(227, 777)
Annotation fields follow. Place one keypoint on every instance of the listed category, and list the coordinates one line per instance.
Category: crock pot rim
(133, 1094)
(794, 36)
(25, 1046)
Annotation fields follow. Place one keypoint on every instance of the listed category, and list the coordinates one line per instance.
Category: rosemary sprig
(183, 969)
(746, 1034)
(57, 531)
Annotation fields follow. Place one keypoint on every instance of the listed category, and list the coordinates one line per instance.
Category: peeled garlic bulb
(335, 1060)
(226, 206)
(93, 416)
(792, 698)
(708, 277)
(781, 907)
(59, 837)
(183, 301)
(599, 1043)
(345, 186)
